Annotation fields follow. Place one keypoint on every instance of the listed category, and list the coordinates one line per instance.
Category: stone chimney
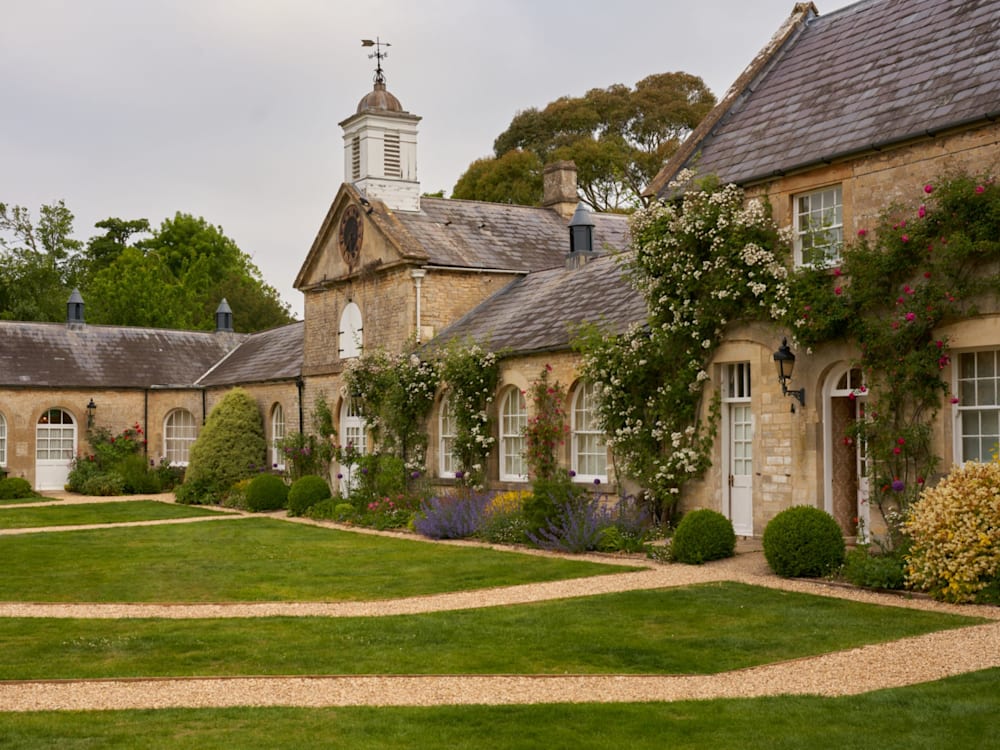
(559, 192)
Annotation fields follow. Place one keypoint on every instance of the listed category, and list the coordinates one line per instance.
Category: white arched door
(55, 447)
(352, 436)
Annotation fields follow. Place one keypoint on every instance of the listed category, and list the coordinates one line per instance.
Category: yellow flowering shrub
(955, 533)
(507, 502)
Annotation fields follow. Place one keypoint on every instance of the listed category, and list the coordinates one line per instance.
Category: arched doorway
(845, 462)
(55, 447)
(354, 442)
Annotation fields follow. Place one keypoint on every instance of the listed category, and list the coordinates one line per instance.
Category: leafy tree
(514, 177)
(103, 250)
(40, 262)
(138, 290)
(618, 137)
(209, 266)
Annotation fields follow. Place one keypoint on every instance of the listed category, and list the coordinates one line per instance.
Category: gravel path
(904, 662)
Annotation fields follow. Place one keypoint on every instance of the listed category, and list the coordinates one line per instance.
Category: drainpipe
(301, 385)
(145, 421)
(204, 406)
(417, 274)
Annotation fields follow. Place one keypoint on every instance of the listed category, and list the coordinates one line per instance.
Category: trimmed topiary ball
(13, 488)
(266, 492)
(305, 493)
(701, 536)
(803, 542)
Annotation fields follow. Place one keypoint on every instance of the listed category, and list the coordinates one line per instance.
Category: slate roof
(474, 234)
(275, 354)
(58, 355)
(535, 313)
(863, 77)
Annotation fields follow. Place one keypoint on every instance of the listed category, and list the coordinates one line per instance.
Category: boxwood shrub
(803, 542)
(266, 492)
(701, 536)
(13, 488)
(305, 493)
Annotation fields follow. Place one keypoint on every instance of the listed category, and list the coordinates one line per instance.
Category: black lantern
(784, 362)
(91, 410)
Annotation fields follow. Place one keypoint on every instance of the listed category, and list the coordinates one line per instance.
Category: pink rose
(928, 189)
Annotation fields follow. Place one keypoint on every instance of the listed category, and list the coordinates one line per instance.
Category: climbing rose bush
(955, 533)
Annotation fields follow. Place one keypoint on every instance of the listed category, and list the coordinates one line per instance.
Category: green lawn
(32, 499)
(693, 630)
(89, 513)
(959, 713)
(255, 559)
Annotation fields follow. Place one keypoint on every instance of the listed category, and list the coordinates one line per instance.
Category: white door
(739, 448)
(55, 447)
(352, 437)
(741, 469)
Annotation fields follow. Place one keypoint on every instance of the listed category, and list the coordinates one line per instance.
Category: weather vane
(379, 55)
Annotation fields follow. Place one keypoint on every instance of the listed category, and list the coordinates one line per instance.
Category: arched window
(179, 431)
(351, 337)
(3, 440)
(277, 435)
(590, 453)
(55, 447)
(513, 420)
(448, 462)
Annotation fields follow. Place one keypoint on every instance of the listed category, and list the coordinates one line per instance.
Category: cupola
(74, 309)
(581, 237)
(380, 145)
(223, 317)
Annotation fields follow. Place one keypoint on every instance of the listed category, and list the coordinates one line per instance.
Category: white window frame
(978, 395)
(178, 438)
(448, 462)
(277, 435)
(55, 436)
(589, 445)
(3, 440)
(513, 420)
(351, 333)
(814, 214)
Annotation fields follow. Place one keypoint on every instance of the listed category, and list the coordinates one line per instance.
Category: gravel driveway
(904, 662)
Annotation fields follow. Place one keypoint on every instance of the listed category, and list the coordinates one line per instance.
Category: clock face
(351, 232)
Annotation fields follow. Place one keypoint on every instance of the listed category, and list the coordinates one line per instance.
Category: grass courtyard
(700, 629)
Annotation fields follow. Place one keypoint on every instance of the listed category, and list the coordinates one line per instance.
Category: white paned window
(3, 440)
(448, 462)
(513, 420)
(978, 404)
(590, 453)
(179, 431)
(819, 227)
(277, 435)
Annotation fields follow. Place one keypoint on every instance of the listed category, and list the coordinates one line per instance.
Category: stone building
(839, 115)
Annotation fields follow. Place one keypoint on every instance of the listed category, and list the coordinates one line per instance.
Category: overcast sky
(228, 109)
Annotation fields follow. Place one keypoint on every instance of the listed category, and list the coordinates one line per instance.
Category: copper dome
(379, 100)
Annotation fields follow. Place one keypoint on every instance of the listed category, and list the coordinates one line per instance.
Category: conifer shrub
(701, 536)
(803, 542)
(305, 492)
(266, 492)
(231, 447)
(954, 530)
(12, 488)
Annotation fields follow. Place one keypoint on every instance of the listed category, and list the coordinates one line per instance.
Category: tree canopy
(173, 278)
(618, 137)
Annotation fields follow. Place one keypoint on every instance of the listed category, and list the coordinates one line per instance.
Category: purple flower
(340, 476)
(898, 485)
(597, 480)
(572, 473)
(364, 470)
(414, 475)
(459, 474)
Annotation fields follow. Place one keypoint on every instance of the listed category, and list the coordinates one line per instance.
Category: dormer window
(818, 226)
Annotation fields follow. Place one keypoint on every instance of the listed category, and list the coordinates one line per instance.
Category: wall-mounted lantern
(784, 363)
(91, 411)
